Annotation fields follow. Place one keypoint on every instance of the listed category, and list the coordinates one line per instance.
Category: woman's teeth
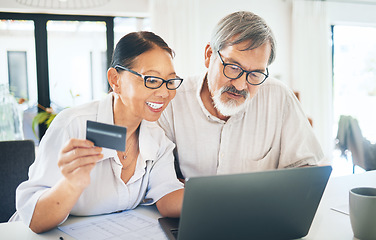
(154, 105)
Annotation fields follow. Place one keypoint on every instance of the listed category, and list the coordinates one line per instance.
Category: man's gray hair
(243, 26)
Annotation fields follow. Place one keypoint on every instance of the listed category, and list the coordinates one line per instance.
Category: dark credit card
(106, 135)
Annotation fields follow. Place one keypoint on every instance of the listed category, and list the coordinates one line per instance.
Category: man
(236, 118)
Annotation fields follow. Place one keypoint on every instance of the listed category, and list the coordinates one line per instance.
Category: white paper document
(116, 226)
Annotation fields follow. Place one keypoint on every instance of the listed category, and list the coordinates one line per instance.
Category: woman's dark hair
(134, 44)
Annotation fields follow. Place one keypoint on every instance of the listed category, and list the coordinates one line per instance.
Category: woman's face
(143, 102)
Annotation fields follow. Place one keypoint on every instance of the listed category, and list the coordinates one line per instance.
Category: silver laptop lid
(278, 204)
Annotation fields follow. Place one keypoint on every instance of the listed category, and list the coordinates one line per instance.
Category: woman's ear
(113, 79)
(208, 54)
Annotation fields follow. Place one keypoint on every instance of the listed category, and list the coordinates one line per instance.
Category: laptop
(277, 204)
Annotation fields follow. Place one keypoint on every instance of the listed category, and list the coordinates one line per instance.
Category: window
(17, 52)
(355, 76)
(354, 83)
(17, 70)
(59, 60)
(124, 25)
(75, 61)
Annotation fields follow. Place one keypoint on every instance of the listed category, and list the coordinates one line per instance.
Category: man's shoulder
(274, 87)
(273, 91)
(152, 133)
(190, 84)
(271, 83)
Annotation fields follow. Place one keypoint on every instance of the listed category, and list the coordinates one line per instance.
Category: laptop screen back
(278, 204)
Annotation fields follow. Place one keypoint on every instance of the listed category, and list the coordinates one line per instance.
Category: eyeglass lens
(233, 72)
(154, 82)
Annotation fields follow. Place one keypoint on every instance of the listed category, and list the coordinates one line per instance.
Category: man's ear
(208, 54)
(113, 78)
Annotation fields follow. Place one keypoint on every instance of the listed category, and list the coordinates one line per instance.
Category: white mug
(362, 205)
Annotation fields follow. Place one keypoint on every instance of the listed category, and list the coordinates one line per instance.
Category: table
(330, 224)
(327, 224)
(18, 230)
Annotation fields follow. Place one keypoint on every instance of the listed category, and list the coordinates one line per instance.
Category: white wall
(277, 13)
(352, 14)
(119, 8)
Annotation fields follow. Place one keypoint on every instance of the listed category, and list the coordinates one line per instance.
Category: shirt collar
(105, 110)
(148, 148)
(235, 117)
(105, 114)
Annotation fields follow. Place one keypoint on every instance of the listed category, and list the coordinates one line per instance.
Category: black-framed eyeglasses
(233, 71)
(153, 82)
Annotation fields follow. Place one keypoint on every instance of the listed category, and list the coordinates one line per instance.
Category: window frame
(41, 50)
(11, 70)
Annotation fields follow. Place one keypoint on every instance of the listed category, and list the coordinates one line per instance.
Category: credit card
(106, 135)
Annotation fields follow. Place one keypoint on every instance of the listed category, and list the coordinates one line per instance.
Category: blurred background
(54, 54)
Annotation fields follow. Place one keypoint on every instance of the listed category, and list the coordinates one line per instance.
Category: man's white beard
(230, 107)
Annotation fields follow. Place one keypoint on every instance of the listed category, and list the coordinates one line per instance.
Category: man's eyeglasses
(155, 82)
(233, 71)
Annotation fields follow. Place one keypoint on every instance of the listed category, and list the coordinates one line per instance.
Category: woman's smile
(155, 106)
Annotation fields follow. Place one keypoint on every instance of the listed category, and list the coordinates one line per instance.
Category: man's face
(231, 95)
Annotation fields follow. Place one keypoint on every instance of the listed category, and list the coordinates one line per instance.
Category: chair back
(350, 137)
(15, 160)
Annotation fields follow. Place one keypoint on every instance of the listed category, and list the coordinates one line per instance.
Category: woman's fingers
(77, 158)
(79, 162)
(77, 148)
(76, 143)
(83, 152)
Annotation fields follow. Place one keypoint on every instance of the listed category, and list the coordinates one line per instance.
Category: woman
(72, 176)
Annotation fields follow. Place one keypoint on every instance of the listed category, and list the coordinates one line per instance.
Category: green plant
(47, 115)
(44, 117)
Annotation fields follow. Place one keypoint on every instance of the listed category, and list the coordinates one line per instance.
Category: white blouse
(154, 175)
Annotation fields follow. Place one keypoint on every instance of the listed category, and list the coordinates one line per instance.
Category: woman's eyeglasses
(153, 82)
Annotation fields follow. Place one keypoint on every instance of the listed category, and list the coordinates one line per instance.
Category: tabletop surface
(327, 224)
